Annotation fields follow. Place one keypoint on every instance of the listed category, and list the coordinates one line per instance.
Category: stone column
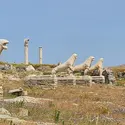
(40, 55)
(26, 61)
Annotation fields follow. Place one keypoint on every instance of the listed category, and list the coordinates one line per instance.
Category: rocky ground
(70, 105)
(99, 104)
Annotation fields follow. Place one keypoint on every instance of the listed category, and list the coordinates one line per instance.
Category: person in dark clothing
(106, 74)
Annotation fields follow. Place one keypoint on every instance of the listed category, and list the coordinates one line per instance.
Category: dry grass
(73, 105)
(118, 68)
(3, 123)
(76, 105)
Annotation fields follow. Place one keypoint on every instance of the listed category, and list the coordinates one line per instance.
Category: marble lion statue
(84, 67)
(3, 45)
(66, 66)
(97, 67)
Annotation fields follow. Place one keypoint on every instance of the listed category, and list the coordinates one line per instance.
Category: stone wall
(44, 81)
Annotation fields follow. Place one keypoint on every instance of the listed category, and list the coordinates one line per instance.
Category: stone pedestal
(55, 81)
(48, 81)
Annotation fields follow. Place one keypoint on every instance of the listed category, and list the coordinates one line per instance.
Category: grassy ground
(75, 105)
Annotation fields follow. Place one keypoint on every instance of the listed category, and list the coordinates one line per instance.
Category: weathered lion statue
(84, 67)
(3, 46)
(66, 66)
(98, 67)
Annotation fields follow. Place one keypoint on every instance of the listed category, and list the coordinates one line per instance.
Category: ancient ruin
(26, 41)
(97, 67)
(66, 66)
(84, 67)
(40, 55)
(3, 45)
(34, 80)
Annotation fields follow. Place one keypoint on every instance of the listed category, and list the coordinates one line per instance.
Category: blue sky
(63, 27)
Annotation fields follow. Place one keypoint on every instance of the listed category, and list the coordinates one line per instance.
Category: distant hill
(119, 68)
